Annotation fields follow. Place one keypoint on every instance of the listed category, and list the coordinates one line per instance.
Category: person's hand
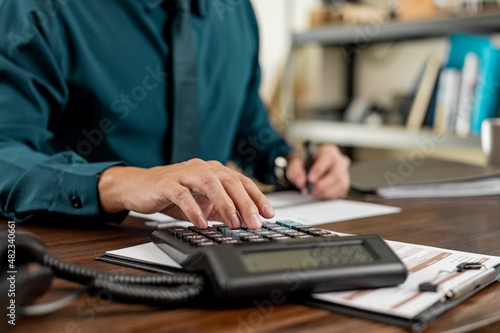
(329, 173)
(194, 190)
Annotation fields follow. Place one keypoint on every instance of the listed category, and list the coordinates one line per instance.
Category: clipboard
(415, 324)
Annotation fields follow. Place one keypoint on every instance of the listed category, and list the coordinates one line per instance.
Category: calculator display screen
(306, 258)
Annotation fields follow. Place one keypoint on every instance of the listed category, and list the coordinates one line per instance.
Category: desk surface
(471, 225)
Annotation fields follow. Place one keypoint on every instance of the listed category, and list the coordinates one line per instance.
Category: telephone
(33, 270)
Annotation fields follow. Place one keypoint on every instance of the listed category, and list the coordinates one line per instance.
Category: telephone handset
(33, 269)
(23, 282)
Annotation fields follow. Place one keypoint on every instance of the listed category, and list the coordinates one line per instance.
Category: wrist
(281, 164)
(109, 190)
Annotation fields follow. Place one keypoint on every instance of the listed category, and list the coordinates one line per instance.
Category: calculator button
(195, 236)
(258, 240)
(185, 234)
(280, 229)
(175, 230)
(251, 237)
(230, 241)
(266, 224)
(208, 230)
(226, 238)
(261, 232)
(276, 227)
(288, 223)
(275, 234)
(279, 238)
(217, 237)
(304, 236)
(316, 232)
(196, 241)
(303, 228)
(205, 244)
(240, 235)
(292, 234)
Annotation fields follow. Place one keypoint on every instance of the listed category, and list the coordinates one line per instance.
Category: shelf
(381, 137)
(394, 31)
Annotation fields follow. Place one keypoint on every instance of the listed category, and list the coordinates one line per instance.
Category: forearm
(33, 182)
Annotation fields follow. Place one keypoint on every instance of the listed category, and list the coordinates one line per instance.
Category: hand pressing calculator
(283, 256)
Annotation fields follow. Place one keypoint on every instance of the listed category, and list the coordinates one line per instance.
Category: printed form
(424, 263)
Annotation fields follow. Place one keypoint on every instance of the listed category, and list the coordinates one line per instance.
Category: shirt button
(76, 202)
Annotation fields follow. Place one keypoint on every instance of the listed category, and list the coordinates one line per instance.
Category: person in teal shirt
(84, 115)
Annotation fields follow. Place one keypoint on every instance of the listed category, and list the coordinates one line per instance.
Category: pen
(308, 151)
(471, 284)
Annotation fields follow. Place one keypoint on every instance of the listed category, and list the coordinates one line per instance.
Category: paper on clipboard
(405, 300)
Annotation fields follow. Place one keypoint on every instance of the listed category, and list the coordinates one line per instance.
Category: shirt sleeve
(36, 178)
(257, 142)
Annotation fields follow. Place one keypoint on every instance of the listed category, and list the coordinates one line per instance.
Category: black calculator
(281, 257)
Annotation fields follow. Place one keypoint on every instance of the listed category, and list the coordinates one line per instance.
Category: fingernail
(268, 210)
(202, 222)
(235, 221)
(255, 221)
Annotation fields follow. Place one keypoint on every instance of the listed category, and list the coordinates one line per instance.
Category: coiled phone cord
(153, 289)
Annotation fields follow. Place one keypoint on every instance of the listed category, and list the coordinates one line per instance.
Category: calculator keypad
(270, 231)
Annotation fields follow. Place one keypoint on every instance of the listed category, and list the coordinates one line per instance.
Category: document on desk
(406, 301)
(291, 205)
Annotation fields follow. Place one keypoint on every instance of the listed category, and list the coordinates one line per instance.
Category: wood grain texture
(470, 224)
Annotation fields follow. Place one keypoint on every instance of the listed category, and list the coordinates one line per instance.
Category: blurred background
(382, 78)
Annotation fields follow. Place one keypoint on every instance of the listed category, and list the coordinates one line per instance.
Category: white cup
(490, 140)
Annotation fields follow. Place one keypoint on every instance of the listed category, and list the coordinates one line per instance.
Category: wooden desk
(463, 224)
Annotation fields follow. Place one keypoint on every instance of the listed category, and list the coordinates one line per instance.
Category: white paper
(322, 212)
(288, 198)
(472, 188)
(406, 300)
(146, 253)
(291, 205)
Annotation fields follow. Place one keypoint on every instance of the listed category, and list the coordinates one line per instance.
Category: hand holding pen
(323, 172)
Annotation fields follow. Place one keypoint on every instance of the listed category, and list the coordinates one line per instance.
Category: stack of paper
(429, 178)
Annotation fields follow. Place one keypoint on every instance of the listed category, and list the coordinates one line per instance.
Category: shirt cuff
(69, 190)
(78, 193)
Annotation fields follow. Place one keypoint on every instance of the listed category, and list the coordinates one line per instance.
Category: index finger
(260, 200)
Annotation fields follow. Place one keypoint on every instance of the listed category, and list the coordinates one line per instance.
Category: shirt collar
(198, 7)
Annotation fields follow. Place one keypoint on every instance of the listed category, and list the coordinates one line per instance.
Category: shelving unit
(397, 31)
(352, 37)
(381, 137)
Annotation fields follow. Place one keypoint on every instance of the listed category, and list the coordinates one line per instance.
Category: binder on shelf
(487, 90)
(446, 100)
(468, 84)
(423, 97)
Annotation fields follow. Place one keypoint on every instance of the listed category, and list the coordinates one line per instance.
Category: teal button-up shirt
(84, 85)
